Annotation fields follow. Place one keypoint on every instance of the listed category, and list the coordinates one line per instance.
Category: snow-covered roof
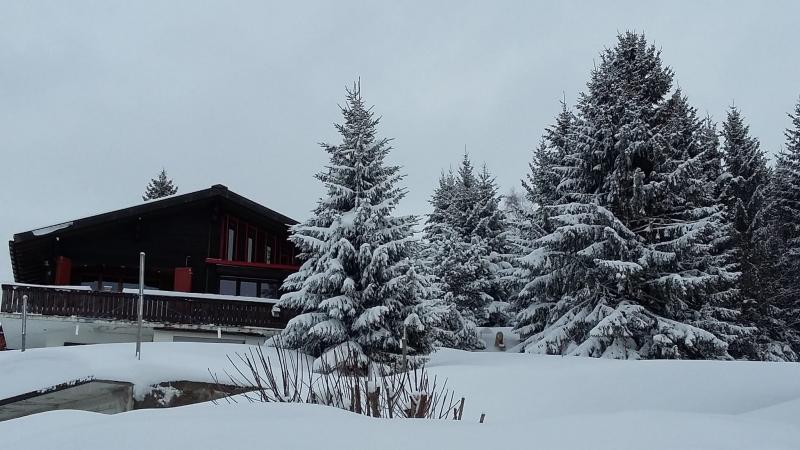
(217, 190)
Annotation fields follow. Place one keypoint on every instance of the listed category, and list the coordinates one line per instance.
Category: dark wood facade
(210, 241)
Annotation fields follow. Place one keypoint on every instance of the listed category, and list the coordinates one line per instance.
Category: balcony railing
(183, 309)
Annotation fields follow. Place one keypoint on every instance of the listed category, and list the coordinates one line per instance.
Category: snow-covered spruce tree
(521, 224)
(475, 206)
(743, 184)
(543, 189)
(461, 215)
(160, 186)
(439, 314)
(456, 270)
(721, 310)
(780, 233)
(692, 162)
(541, 184)
(617, 273)
(356, 288)
(522, 228)
(467, 229)
(492, 228)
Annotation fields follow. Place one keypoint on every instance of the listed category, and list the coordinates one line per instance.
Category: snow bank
(288, 426)
(520, 387)
(161, 361)
(546, 402)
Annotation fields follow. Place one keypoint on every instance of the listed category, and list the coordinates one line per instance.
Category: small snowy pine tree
(160, 186)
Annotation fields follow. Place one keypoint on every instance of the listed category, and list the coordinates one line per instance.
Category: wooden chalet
(213, 259)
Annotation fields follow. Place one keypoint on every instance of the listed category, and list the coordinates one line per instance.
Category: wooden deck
(183, 309)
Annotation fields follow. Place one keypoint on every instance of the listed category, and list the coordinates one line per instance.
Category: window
(231, 243)
(253, 243)
(248, 288)
(269, 289)
(227, 287)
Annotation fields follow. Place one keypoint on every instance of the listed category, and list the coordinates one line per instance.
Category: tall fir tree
(466, 232)
(492, 227)
(457, 286)
(721, 311)
(451, 324)
(357, 287)
(161, 186)
(780, 234)
(457, 271)
(620, 268)
(541, 184)
(521, 225)
(543, 190)
(743, 188)
(692, 159)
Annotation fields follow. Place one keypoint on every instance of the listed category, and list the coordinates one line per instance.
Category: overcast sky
(97, 97)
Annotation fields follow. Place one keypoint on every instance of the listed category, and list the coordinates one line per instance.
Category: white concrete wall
(54, 332)
(161, 335)
(48, 331)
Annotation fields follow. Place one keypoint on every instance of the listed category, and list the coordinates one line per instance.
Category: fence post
(404, 343)
(24, 319)
(140, 307)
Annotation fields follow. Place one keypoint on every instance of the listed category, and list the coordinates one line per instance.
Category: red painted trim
(63, 270)
(223, 262)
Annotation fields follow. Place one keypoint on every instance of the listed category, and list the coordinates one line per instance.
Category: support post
(405, 349)
(24, 319)
(140, 307)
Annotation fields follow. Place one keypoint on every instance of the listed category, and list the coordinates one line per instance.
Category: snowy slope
(531, 401)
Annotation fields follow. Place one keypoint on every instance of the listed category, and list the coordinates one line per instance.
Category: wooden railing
(160, 309)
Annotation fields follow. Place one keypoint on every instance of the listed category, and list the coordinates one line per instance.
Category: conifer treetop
(161, 186)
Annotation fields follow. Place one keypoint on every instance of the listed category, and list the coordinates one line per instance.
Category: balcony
(161, 308)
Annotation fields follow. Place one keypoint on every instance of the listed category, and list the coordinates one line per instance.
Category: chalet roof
(215, 191)
(26, 248)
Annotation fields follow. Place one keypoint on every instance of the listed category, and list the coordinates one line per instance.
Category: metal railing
(120, 306)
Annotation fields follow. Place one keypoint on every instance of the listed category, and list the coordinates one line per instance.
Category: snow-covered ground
(530, 402)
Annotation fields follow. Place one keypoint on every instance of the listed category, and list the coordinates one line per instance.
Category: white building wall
(56, 331)
(162, 335)
(48, 331)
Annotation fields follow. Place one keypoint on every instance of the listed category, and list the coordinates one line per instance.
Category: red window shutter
(183, 279)
(2, 339)
(63, 271)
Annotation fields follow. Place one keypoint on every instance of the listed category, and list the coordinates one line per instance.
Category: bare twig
(288, 377)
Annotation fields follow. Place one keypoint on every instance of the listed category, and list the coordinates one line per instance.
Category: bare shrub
(288, 377)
